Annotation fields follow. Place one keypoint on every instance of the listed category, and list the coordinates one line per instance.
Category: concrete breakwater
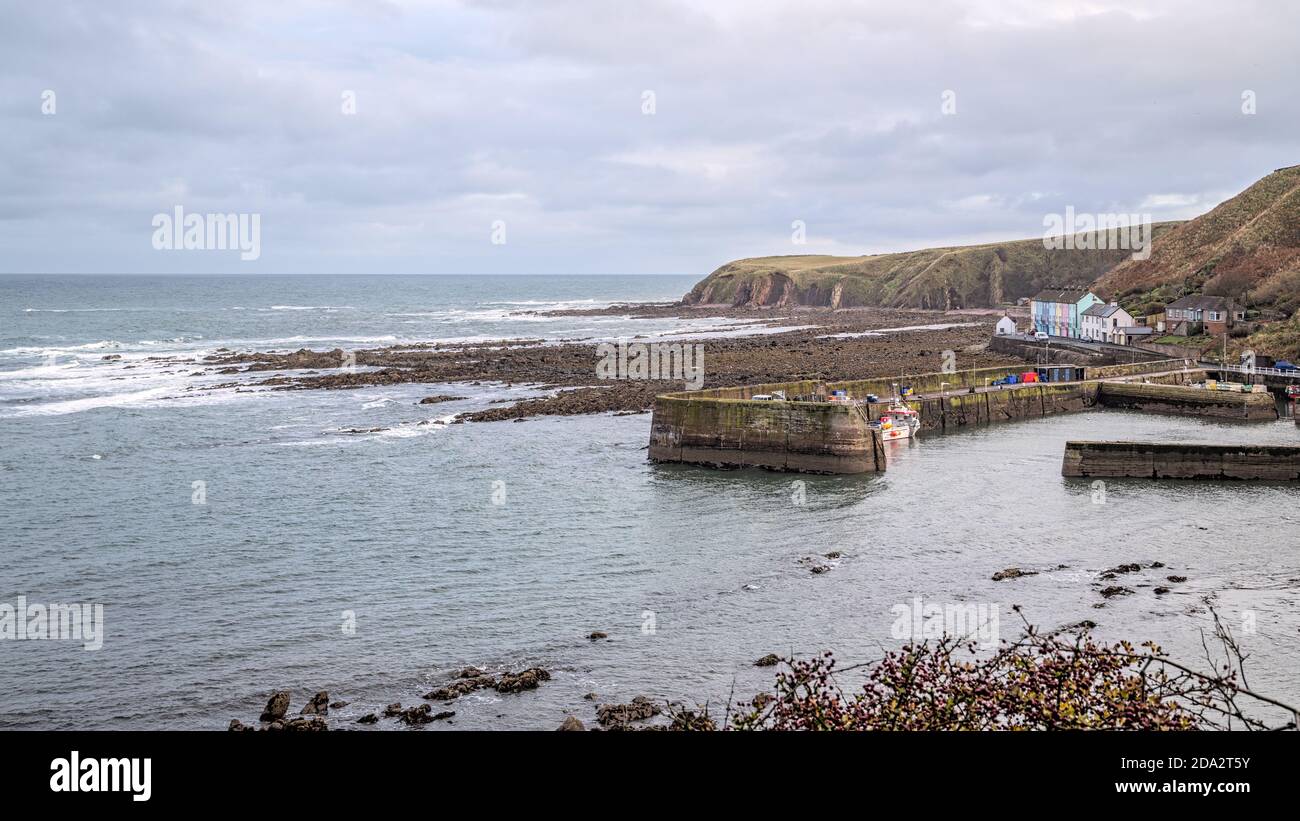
(1185, 401)
(1163, 460)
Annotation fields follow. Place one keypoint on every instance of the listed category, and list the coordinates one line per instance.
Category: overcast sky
(534, 114)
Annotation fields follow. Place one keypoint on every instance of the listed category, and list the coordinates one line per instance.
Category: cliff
(973, 276)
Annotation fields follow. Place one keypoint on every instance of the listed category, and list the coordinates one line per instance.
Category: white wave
(116, 400)
(311, 308)
(84, 310)
(102, 345)
(883, 331)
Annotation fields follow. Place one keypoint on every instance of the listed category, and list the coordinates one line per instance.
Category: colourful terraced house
(1059, 311)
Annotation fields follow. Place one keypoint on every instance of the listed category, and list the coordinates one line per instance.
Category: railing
(1248, 369)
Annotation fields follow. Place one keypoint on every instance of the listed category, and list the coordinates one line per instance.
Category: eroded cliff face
(773, 290)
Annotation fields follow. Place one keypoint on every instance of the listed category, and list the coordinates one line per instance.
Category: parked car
(1040, 336)
(1283, 365)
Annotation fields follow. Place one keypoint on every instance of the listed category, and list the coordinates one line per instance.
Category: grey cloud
(531, 113)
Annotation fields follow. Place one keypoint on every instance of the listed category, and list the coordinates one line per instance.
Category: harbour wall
(1186, 401)
(726, 427)
(804, 437)
(1161, 460)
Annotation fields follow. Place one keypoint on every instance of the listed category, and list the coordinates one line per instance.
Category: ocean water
(375, 565)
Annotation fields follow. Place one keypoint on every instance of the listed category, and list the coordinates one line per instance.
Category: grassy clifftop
(1247, 247)
(970, 276)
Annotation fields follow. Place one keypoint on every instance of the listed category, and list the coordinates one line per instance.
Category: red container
(1029, 376)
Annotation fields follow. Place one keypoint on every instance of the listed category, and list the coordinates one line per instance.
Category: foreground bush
(1041, 682)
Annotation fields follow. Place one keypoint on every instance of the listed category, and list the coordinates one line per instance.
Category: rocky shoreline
(821, 344)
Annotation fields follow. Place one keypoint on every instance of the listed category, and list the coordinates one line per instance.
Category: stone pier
(1165, 460)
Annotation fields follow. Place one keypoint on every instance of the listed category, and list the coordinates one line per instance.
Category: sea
(240, 540)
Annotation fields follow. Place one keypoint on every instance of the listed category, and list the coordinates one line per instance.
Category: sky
(611, 137)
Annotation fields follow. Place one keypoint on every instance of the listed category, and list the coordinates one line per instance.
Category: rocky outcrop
(639, 709)
(571, 724)
(423, 714)
(461, 686)
(1012, 573)
(300, 724)
(439, 398)
(529, 679)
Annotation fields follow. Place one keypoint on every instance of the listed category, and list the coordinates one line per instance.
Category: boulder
(770, 660)
(571, 724)
(422, 714)
(276, 707)
(319, 704)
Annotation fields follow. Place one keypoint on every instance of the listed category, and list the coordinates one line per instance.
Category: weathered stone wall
(927, 382)
(1185, 401)
(1113, 371)
(976, 378)
(1160, 460)
(1010, 404)
(1032, 351)
(808, 437)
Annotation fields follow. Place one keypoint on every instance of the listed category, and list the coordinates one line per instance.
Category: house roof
(1102, 310)
(1135, 330)
(1067, 295)
(1197, 302)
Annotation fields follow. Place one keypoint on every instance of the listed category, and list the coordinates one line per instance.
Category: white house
(1006, 325)
(1101, 322)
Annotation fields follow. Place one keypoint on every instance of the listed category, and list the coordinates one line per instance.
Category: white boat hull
(903, 432)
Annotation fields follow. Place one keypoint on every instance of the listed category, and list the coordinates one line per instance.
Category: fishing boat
(899, 422)
(1293, 392)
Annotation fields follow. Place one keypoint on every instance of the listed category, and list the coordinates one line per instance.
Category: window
(1215, 316)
